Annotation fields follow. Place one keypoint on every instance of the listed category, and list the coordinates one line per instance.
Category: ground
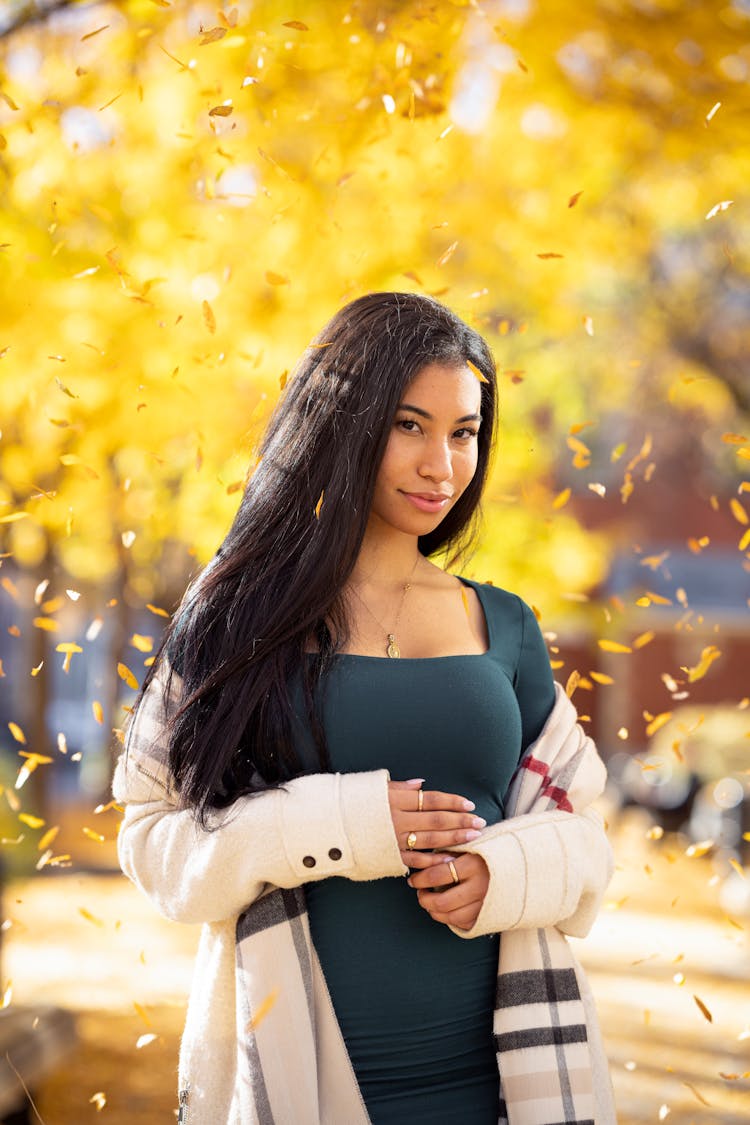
(669, 932)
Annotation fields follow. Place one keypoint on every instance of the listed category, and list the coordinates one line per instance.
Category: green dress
(414, 1000)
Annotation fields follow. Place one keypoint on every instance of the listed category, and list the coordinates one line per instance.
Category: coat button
(334, 853)
(309, 861)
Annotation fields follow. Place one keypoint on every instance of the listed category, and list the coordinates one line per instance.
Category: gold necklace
(392, 648)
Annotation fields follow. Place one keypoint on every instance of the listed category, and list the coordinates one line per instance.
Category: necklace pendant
(393, 650)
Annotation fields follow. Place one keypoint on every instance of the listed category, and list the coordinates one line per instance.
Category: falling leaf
(664, 1112)
(220, 111)
(48, 624)
(703, 1008)
(588, 324)
(298, 25)
(13, 518)
(734, 439)
(475, 371)
(601, 678)
(581, 453)
(92, 835)
(643, 639)
(128, 539)
(31, 821)
(17, 733)
(142, 1013)
(574, 199)
(574, 680)
(155, 609)
(738, 511)
(276, 278)
(319, 505)
(125, 674)
(613, 646)
(90, 917)
(715, 210)
(208, 317)
(655, 833)
(144, 1040)
(68, 648)
(142, 643)
(96, 707)
(697, 1093)
(212, 35)
(549, 254)
(737, 867)
(745, 540)
(7, 995)
(447, 254)
(99, 1099)
(48, 837)
(263, 1009)
(703, 847)
(91, 34)
(561, 499)
(657, 722)
(599, 489)
(709, 654)
(65, 389)
(712, 111)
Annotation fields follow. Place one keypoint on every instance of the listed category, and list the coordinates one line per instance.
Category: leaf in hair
(319, 505)
(475, 371)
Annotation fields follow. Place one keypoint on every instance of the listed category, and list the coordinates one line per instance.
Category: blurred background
(187, 194)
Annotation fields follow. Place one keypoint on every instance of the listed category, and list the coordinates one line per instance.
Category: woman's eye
(466, 432)
(407, 423)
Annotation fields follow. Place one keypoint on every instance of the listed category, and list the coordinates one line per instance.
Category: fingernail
(478, 822)
(471, 834)
(415, 781)
(469, 805)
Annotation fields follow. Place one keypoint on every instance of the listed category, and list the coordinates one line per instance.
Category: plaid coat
(261, 1041)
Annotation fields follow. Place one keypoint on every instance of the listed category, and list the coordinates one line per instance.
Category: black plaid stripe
(540, 1037)
(273, 909)
(536, 986)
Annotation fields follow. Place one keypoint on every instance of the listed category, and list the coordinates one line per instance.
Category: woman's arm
(317, 826)
(547, 864)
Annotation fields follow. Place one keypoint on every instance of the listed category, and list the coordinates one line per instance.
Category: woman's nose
(437, 462)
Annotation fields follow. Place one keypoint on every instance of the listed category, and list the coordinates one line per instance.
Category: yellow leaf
(695, 851)
(738, 511)
(709, 654)
(48, 624)
(734, 439)
(658, 722)
(17, 733)
(96, 707)
(31, 821)
(92, 835)
(613, 646)
(142, 642)
(155, 609)
(643, 639)
(561, 499)
(208, 317)
(298, 25)
(12, 518)
(574, 680)
(601, 678)
(276, 278)
(744, 454)
(465, 601)
(549, 254)
(737, 867)
(447, 254)
(212, 35)
(475, 371)
(48, 837)
(263, 1009)
(319, 505)
(745, 540)
(220, 111)
(142, 1013)
(125, 674)
(89, 916)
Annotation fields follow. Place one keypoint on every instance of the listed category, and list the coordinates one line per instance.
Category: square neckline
(450, 656)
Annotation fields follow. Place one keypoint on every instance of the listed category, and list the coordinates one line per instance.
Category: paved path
(93, 943)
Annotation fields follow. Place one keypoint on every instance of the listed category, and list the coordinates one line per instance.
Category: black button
(334, 853)
(309, 861)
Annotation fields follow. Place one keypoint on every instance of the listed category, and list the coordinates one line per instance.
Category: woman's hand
(444, 821)
(460, 903)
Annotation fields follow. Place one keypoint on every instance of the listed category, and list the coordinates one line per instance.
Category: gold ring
(420, 799)
(411, 840)
(454, 873)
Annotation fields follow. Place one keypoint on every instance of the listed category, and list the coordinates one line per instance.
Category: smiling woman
(331, 711)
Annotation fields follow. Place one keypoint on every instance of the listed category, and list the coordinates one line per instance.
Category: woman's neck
(386, 559)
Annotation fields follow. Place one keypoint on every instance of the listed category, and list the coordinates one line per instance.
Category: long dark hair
(239, 637)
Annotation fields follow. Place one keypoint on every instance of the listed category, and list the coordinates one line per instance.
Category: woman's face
(432, 450)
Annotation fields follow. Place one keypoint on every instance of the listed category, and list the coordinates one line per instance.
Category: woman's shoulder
(500, 599)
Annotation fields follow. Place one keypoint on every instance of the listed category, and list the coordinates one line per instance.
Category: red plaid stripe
(554, 792)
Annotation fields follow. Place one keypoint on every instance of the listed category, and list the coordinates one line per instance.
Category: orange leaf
(125, 674)
(263, 1009)
(475, 371)
(17, 733)
(96, 707)
(613, 646)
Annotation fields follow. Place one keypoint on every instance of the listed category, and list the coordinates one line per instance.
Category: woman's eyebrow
(425, 414)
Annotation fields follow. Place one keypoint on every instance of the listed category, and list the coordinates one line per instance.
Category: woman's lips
(426, 505)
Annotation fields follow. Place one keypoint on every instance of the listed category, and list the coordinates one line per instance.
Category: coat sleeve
(317, 826)
(550, 861)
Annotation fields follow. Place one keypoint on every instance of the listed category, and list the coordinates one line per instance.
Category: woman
(330, 712)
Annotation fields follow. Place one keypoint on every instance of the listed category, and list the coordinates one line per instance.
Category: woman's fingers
(422, 861)
(436, 874)
(443, 839)
(404, 795)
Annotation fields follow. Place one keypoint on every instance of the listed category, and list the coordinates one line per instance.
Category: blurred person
(355, 769)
